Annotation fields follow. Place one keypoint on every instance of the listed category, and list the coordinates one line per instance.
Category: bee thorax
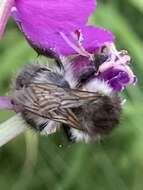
(39, 73)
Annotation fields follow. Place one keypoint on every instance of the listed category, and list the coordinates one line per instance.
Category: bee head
(87, 73)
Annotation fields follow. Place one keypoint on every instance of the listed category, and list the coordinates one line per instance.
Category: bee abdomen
(101, 117)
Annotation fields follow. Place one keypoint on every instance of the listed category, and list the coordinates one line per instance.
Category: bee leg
(42, 126)
(67, 132)
(49, 127)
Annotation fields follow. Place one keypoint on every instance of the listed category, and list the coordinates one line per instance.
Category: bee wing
(53, 102)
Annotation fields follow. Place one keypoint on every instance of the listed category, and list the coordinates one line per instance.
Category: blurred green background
(34, 162)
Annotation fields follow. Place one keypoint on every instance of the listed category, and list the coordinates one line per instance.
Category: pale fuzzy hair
(92, 86)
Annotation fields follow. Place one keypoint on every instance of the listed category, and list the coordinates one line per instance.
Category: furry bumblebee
(51, 98)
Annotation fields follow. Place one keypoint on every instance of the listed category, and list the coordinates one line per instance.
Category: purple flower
(55, 25)
(115, 70)
(61, 27)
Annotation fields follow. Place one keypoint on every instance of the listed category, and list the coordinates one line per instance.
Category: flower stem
(11, 128)
(5, 7)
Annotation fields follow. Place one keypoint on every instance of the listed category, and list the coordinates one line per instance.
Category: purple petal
(41, 21)
(9, 103)
(111, 73)
(95, 37)
(116, 78)
(5, 102)
(53, 17)
(124, 78)
(116, 70)
(5, 7)
(119, 81)
(55, 14)
(116, 85)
